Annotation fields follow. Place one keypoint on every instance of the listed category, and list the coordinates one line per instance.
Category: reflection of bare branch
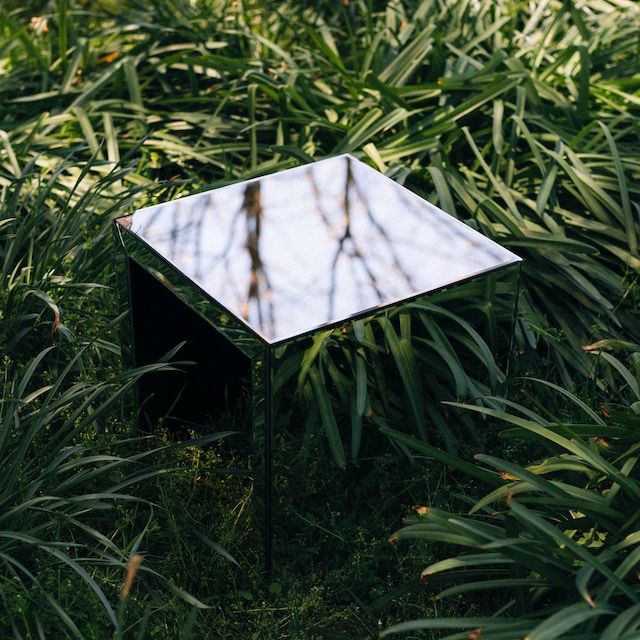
(391, 246)
(252, 207)
(227, 255)
(347, 246)
(317, 198)
(199, 256)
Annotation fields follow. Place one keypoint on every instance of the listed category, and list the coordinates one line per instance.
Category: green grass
(521, 120)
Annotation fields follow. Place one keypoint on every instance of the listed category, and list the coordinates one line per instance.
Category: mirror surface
(314, 245)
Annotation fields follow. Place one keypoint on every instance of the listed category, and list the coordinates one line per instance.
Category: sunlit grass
(520, 119)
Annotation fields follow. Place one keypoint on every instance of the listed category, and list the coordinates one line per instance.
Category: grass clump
(521, 120)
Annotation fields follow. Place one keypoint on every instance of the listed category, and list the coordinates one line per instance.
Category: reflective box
(288, 297)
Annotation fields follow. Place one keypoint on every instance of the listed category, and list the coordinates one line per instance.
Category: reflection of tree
(348, 247)
(259, 287)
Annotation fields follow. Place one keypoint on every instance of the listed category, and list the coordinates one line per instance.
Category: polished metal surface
(314, 246)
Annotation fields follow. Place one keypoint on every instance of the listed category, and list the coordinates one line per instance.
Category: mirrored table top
(314, 245)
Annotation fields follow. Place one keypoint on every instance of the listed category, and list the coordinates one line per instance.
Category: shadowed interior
(198, 392)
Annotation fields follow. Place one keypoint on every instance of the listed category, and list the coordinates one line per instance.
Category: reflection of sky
(335, 238)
